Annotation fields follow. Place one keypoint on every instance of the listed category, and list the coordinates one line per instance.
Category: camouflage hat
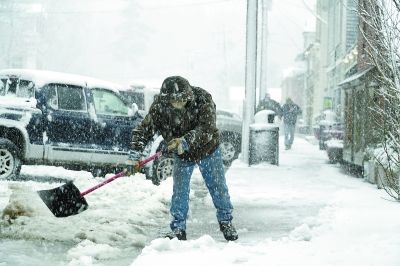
(176, 88)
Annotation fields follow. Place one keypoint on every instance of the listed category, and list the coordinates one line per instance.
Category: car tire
(162, 168)
(229, 148)
(98, 172)
(10, 160)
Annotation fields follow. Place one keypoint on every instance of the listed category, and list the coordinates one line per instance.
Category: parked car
(228, 123)
(230, 127)
(62, 119)
(142, 96)
(326, 125)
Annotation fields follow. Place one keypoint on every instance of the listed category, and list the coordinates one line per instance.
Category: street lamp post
(251, 76)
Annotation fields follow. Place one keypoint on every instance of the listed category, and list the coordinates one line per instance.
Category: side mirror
(134, 109)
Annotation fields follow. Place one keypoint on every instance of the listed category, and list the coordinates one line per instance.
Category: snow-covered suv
(61, 119)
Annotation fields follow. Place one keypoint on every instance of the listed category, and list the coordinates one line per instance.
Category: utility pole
(251, 76)
(263, 50)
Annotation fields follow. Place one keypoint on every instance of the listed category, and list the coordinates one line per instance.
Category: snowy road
(271, 204)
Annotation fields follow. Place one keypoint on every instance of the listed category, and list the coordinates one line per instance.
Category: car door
(68, 124)
(113, 125)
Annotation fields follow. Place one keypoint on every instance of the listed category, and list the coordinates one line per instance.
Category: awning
(356, 76)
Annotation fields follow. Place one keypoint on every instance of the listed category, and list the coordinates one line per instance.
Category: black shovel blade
(64, 201)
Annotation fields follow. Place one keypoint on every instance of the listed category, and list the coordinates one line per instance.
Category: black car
(53, 118)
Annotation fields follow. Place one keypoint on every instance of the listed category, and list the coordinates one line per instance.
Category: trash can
(264, 143)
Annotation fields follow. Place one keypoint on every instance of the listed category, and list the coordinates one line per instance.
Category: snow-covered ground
(302, 212)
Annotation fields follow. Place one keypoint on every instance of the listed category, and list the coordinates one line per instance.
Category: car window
(136, 96)
(17, 87)
(3, 83)
(107, 102)
(66, 97)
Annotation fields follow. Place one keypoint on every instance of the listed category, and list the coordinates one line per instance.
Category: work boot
(229, 231)
(177, 233)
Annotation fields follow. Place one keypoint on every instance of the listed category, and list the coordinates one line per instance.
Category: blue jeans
(289, 134)
(212, 170)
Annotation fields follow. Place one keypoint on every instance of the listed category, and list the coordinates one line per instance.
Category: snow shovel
(67, 200)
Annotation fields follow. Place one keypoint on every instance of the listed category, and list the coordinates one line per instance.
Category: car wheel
(162, 169)
(98, 172)
(10, 162)
(229, 152)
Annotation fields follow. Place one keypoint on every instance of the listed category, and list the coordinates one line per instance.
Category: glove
(132, 163)
(178, 144)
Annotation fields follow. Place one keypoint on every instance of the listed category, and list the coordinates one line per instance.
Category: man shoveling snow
(186, 118)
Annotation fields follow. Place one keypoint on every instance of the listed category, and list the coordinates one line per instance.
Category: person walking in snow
(290, 111)
(269, 104)
(186, 118)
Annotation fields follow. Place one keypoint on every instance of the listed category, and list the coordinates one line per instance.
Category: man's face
(178, 104)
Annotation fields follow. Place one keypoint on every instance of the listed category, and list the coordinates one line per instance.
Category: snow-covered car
(53, 118)
(230, 127)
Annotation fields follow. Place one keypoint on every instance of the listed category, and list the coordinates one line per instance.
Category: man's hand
(178, 144)
(132, 167)
(132, 163)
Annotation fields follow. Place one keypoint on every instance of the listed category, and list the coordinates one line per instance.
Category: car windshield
(16, 87)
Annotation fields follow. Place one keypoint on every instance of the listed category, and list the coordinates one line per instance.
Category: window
(108, 103)
(136, 96)
(66, 97)
(71, 98)
(17, 87)
(3, 84)
(25, 89)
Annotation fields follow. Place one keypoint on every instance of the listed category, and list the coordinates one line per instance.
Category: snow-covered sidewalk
(356, 224)
(304, 212)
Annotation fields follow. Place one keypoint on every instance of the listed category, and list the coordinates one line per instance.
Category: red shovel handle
(151, 158)
(123, 173)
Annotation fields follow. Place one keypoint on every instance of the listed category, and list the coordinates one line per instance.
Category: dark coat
(269, 104)
(290, 111)
(196, 123)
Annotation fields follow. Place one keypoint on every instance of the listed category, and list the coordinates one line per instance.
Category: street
(271, 203)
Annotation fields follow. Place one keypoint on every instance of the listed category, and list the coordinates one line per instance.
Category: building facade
(342, 30)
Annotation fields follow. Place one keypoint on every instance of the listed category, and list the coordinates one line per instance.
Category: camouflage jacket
(196, 123)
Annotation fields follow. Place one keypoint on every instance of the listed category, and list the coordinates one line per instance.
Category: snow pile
(19, 203)
(335, 143)
(88, 250)
(261, 117)
(118, 213)
(302, 232)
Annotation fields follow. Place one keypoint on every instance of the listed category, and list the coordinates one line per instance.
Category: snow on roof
(43, 77)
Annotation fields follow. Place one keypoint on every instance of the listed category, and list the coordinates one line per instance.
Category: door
(68, 124)
(113, 125)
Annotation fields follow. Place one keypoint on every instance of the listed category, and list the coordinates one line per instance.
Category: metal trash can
(264, 143)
